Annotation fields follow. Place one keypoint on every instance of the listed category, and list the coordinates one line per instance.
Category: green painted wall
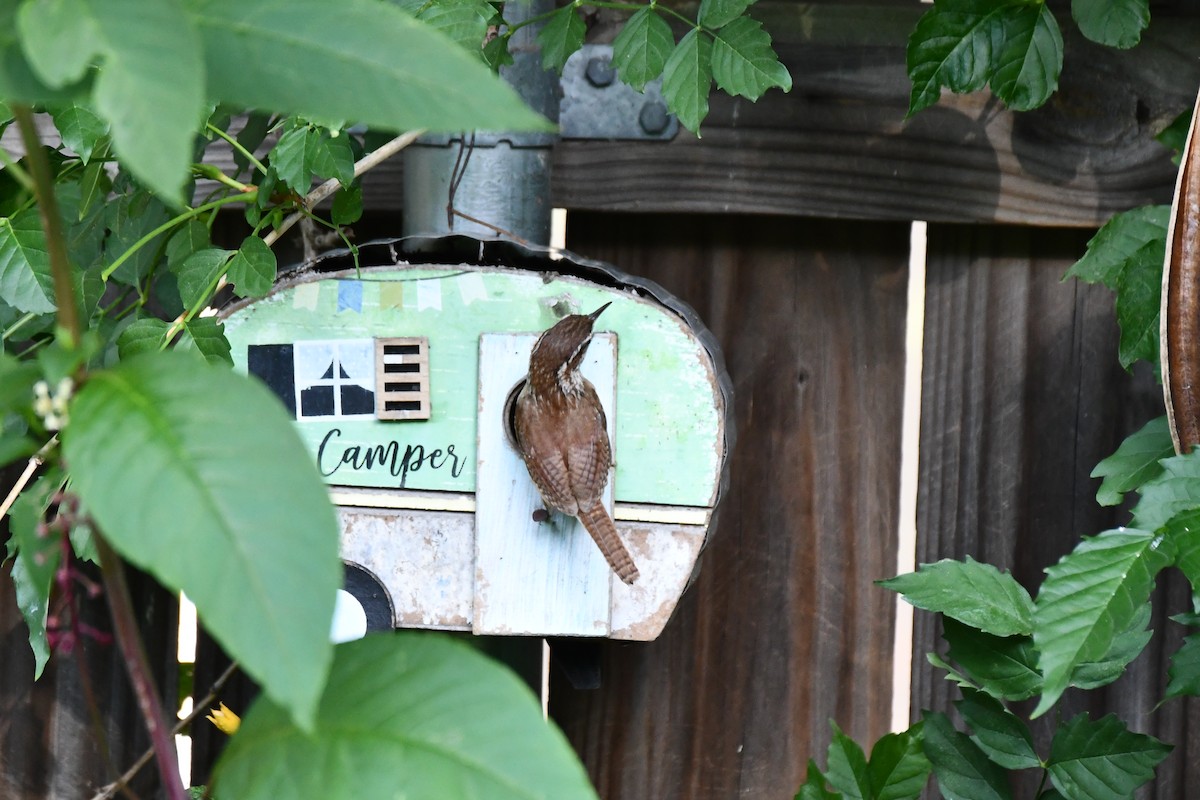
(667, 441)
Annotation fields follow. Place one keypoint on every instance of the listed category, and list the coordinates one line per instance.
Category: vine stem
(134, 654)
(43, 191)
(236, 145)
(197, 709)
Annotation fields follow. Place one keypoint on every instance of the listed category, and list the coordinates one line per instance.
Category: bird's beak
(592, 316)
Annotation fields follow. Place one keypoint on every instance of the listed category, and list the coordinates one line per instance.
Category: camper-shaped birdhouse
(401, 375)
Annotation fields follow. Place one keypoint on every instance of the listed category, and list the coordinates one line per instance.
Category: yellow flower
(225, 719)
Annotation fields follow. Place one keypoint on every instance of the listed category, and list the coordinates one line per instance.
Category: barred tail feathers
(600, 525)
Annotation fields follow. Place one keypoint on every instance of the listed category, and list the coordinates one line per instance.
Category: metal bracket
(596, 105)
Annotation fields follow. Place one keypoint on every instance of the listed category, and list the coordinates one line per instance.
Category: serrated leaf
(464, 22)
(496, 55)
(1139, 300)
(333, 157)
(1184, 671)
(191, 237)
(561, 36)
(81, 129)
(952, 674)
(1116, 23)
(37, 561)
(687, 78)
(347, 207)
(87, 234)
(978, 594)
(142, 336)
(1029, 61)
(719, 13)
(1102, 760)
(292, 158)
(641, 48)
(814, 786)
(230, 509)
(19, 82)
(1174, 136)
(963, 771)
(1121, 244)
(404, 74)
(1003, 666)
(999, 733)
(25, 280)
(1175, 490)
(409, 714)
(846, 766)
(743, 61)
(1126, 646)
(898, 767)
(198, 274)
(252, 269)
(206, 335)
(1088, 597)
(1183, 530)
(1134, 462)
(130, 217)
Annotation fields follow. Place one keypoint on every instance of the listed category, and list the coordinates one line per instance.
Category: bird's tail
(600, 525)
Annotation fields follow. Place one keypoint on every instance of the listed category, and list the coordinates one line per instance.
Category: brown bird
(561, 433)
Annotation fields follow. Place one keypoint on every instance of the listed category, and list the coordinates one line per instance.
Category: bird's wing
(589, 456)
(545, 458)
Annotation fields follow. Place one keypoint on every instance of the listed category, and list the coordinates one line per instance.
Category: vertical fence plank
(783, 628)
(49, 748)
(1022, 396)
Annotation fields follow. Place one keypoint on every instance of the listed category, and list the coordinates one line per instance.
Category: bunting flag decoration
(350, 295)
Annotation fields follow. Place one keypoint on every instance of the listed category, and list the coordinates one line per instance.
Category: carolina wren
(562, 435)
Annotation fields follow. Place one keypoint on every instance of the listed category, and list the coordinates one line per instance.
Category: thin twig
(138, 666)
(199, 708)
(496, 228)
(367, 162)
(35, 461)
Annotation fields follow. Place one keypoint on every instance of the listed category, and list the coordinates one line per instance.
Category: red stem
(130, 642)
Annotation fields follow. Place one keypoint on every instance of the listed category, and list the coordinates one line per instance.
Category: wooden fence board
(1022, 396)
(782, 628)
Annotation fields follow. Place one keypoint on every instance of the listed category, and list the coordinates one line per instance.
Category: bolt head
(599, 72)
(654, 118)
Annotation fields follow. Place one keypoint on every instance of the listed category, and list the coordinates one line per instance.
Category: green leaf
(60, 39)
(898, 767)
(1003, 666)
(814, 787)
(561, 36)
(299, 56)
(1116, 23)
(846, 766)
(1134, 463)
(1102, 760)
(128, 219)
(206, 335)
(16, 383)
(229, 508)
(687, 77)
(199, 272)
(252, 269)
(978, 594)
(1125, 647)
(347, 205)
(1184, 532)
(1029, 62)
(19, 81)
(1122, 244)
(963, 44)
(1184, 671)
(25, 280)
(952, 674)
(1174, 136)
(333, 157)
(292, 158)
(94, 187)
(38, 556)
(999, 733)
(187, 240)
(641, 48)
(465, 22)
(1139, 299)
(413, 715)
(743, 62)
(719, 13)
(1090, 596)
(142, 336)
(1175, 490)
(963, 771)
(81, 129)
